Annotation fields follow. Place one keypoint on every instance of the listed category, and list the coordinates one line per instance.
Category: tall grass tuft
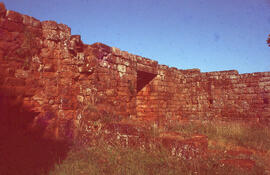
(253, 135)
(102, 159)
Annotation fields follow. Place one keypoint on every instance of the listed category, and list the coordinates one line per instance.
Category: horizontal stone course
(14, 16)
(57, 72)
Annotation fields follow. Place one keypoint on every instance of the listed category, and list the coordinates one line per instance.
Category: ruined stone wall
(178, 94)
(54, 74)
(66, 82)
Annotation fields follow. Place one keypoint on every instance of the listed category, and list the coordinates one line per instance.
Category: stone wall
(66, 81)
(190, 93)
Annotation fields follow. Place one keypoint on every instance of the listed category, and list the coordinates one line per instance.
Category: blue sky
(212, 35)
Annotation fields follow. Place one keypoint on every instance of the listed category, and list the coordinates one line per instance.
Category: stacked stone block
(68, 82)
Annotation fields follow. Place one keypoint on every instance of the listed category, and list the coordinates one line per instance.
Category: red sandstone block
(10, 91)
(68, 114)
(266, 74)
(98, 54)
(46, 53)
(50, 34)
(49, 68)
(86, 70)
(3, 9)
(265, 79)
(163, 67)
(33, 32)
(10, 81)
(6, 46)
(262, 84)
(14, 16)
(30, 91)
(116, 51)
(11, 26)
(111, 59)
(8, 36)
(125, 54)
(64, 28)
(68, 103)
(144, 68)
(59, 54)
(50, 76)
(76, 43)
(49, 44)
(4, 34)
(34, 82)
(64, 35)
(31, 21)
(267, 89)
(2, 53)
(49, 61)
(102, 47)
(68, 61)
(71, 74)
(51, 91)
(264, 114)
(49, 25)
(21, 73)
(104, 71)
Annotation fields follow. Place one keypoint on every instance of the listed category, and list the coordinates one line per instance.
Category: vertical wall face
(63, 80)
(145, 98)
(116, 81)
(176, 94)
(39, 64)
(66, 82)
(190, 93)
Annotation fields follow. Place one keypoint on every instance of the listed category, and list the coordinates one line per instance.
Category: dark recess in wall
(143, 78)
(23, 150)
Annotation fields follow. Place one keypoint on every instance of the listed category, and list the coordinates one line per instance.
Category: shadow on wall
(144, 78)
(24, 151)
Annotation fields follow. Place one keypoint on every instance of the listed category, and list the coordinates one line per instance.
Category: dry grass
(117, 160)
(252, 135)
(102, 159)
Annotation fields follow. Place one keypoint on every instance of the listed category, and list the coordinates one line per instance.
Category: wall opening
(144, 78)
(145, 91)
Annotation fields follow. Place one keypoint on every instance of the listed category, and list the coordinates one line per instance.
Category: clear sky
(212, 35)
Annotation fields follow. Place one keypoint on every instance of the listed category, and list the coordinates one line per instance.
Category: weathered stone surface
(90, 79)
(51, 34)
(76, 43)
(64, 28)
(30, 21)
(2, 9)
(11, 26)
(49, 25)
(14, 16)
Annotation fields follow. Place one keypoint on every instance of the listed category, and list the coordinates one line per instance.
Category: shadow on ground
(24, 151)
